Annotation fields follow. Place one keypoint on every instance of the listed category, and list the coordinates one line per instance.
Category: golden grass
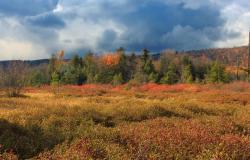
(101, 122)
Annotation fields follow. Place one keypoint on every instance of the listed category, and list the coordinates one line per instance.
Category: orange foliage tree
(110, 59)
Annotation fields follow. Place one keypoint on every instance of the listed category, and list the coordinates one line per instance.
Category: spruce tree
(52, 65)
(55, 82)
(132, 64)
(186, 74)
(217, 74)
(171, 76)
(187, 71)
(117, 79)
(90, 68)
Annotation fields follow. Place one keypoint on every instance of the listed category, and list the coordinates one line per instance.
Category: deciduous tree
(14, 78)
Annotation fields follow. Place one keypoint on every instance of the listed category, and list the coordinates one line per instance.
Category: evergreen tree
(73, 75)
(186, 61)
(55, 82)
(164, 63)
(52, 65)
(55, 79)
(132, 64)
(187, 76)
(117, 79)
(120, 50)
(145, 56)
(187, 70)
(200, 70)
(217, 74)
(139, 75)
(38, 77)
(105, 75)
(90, 68)
(153, 77)
(56, 63)
(76, 61)
(122, 66)
(146, 68)
(171, 76)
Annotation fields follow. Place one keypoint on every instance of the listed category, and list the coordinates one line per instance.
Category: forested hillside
(226, 56)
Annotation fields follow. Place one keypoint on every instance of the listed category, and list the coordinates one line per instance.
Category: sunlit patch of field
(128, 122)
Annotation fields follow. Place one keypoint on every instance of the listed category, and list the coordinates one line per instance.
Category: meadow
(137, 122)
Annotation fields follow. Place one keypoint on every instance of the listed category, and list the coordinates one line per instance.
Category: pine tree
(217, 74)
(145, 56)
(105, 75)
(38, 77)
(153, 77)
(56, 63)
(55, 82)
(187, 76)
(90, 68)
(117, 79)
(187, 70)
(171, 76)
(164, 63)
(74, 73)
(146, 67)
(76, 61)
(132, 64)
(52, 65)
(122, 66)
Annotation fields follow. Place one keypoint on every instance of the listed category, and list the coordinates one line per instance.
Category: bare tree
(13, 78)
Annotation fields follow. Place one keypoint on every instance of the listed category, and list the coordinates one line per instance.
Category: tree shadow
(14, 96)
(202, 111)
(25, 142)
(153, 113)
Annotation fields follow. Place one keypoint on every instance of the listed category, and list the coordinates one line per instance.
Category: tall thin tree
(248, 67)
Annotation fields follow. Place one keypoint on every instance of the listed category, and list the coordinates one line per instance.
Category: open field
(182, 121)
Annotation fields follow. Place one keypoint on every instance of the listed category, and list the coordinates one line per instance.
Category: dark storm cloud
(108, 39)
(104, 25)
(47, 21)
(26, 7)
(149, 23)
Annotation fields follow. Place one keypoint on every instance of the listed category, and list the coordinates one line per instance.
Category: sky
(35, 29)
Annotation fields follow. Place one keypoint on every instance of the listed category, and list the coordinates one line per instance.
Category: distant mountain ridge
(32, 63)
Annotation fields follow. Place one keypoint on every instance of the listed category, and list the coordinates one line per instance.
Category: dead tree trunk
(248, 67)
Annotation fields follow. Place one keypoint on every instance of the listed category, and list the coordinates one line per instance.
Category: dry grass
(142, 122)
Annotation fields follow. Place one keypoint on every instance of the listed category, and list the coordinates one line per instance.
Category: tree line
(119, 67)
(114, 68)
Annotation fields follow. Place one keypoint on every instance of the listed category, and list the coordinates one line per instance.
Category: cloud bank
(35, 29)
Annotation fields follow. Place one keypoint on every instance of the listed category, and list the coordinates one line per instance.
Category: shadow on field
(162, 112)
(62, 126)
(25, 142)
(120, 116)
(202, 111)
(3, 95)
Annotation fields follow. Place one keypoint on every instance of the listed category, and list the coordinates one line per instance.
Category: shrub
(14, 78)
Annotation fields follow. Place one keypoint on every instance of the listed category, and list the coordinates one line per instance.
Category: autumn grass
(106, 122)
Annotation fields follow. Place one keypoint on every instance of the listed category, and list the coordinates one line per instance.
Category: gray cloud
(49, 20)
(42, 27)
(26, 7)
